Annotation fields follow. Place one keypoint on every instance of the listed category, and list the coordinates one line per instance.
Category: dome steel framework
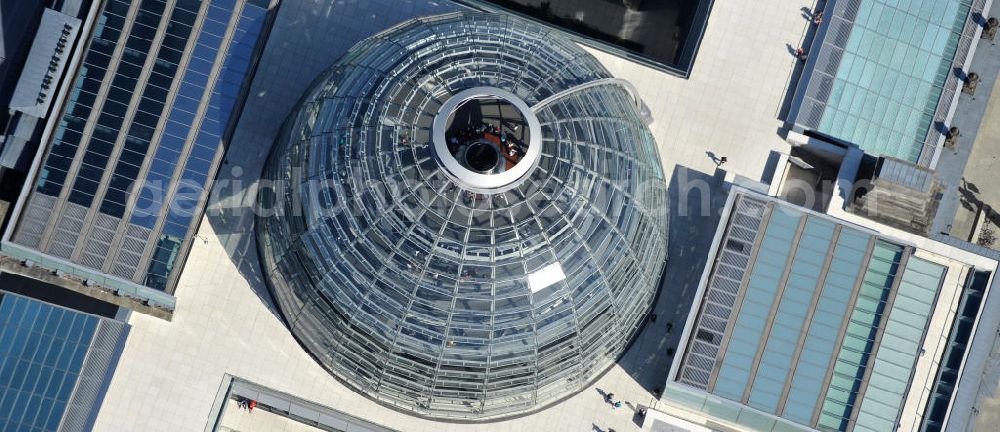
(457, 292)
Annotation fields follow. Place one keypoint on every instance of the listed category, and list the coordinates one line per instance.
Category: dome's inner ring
(516, 138)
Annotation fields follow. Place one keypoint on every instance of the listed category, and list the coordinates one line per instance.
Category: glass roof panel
(392, 270)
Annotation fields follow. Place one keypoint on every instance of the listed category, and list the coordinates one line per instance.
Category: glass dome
(465, 217)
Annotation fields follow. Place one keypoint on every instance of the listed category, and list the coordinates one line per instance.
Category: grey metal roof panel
(906, 174)
(46, 63)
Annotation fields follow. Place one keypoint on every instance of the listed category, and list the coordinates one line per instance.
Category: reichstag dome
(465, 217)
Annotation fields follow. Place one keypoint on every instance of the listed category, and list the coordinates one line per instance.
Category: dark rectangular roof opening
(49, 293)
(663, 34)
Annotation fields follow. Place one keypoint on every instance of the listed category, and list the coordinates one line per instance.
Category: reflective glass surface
(150, 109)
(440, 300)
(205, 142)
(110, 121)
(825, 325)
(858, 343)
(751, 323)
(790, 316)
(892, 74)
(900, 346)
(951, 361)
(169, 76)
(821, 341)
(69, 132)
(42, 351)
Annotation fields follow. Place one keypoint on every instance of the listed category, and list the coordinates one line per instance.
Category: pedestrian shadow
(604, 395)
(638, 415)
(791, 49)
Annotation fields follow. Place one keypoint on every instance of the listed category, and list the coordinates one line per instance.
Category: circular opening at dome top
(482, 156)
(487, 121)
(486, 139)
